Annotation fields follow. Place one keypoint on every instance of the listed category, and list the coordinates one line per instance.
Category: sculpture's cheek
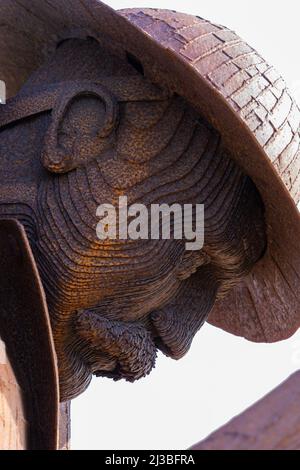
(21, 145)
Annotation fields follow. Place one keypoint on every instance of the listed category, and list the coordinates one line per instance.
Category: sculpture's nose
(115, 349)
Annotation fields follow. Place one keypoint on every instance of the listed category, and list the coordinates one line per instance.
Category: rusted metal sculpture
(164, 108)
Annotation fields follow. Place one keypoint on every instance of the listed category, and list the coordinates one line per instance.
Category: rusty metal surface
(247, 101)
(236, 90)
(113, 303)
(13, 425)
(273, 423)
(64, 442)
(215, 125)
(25, 329)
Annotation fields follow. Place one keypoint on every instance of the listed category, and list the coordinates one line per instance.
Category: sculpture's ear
(82, 126)
(26, 332)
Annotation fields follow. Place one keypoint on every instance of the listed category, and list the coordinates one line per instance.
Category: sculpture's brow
(44, 98)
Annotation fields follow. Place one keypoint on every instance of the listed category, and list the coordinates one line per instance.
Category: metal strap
(45, 97)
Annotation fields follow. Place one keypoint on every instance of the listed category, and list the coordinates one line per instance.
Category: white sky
(182, 402)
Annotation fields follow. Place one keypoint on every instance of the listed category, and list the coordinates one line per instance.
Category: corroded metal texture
(247, 101)
(13, 426)
(273, 423)
(64, 442)
(238, 93)
(161, 107)
(88, 140)
(25, 330)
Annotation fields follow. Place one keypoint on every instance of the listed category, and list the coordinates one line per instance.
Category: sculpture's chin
(127, 350)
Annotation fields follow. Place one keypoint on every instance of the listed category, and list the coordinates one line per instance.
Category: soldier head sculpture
(162, 108)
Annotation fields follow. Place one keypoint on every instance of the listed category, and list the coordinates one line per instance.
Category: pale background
(182, 402)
